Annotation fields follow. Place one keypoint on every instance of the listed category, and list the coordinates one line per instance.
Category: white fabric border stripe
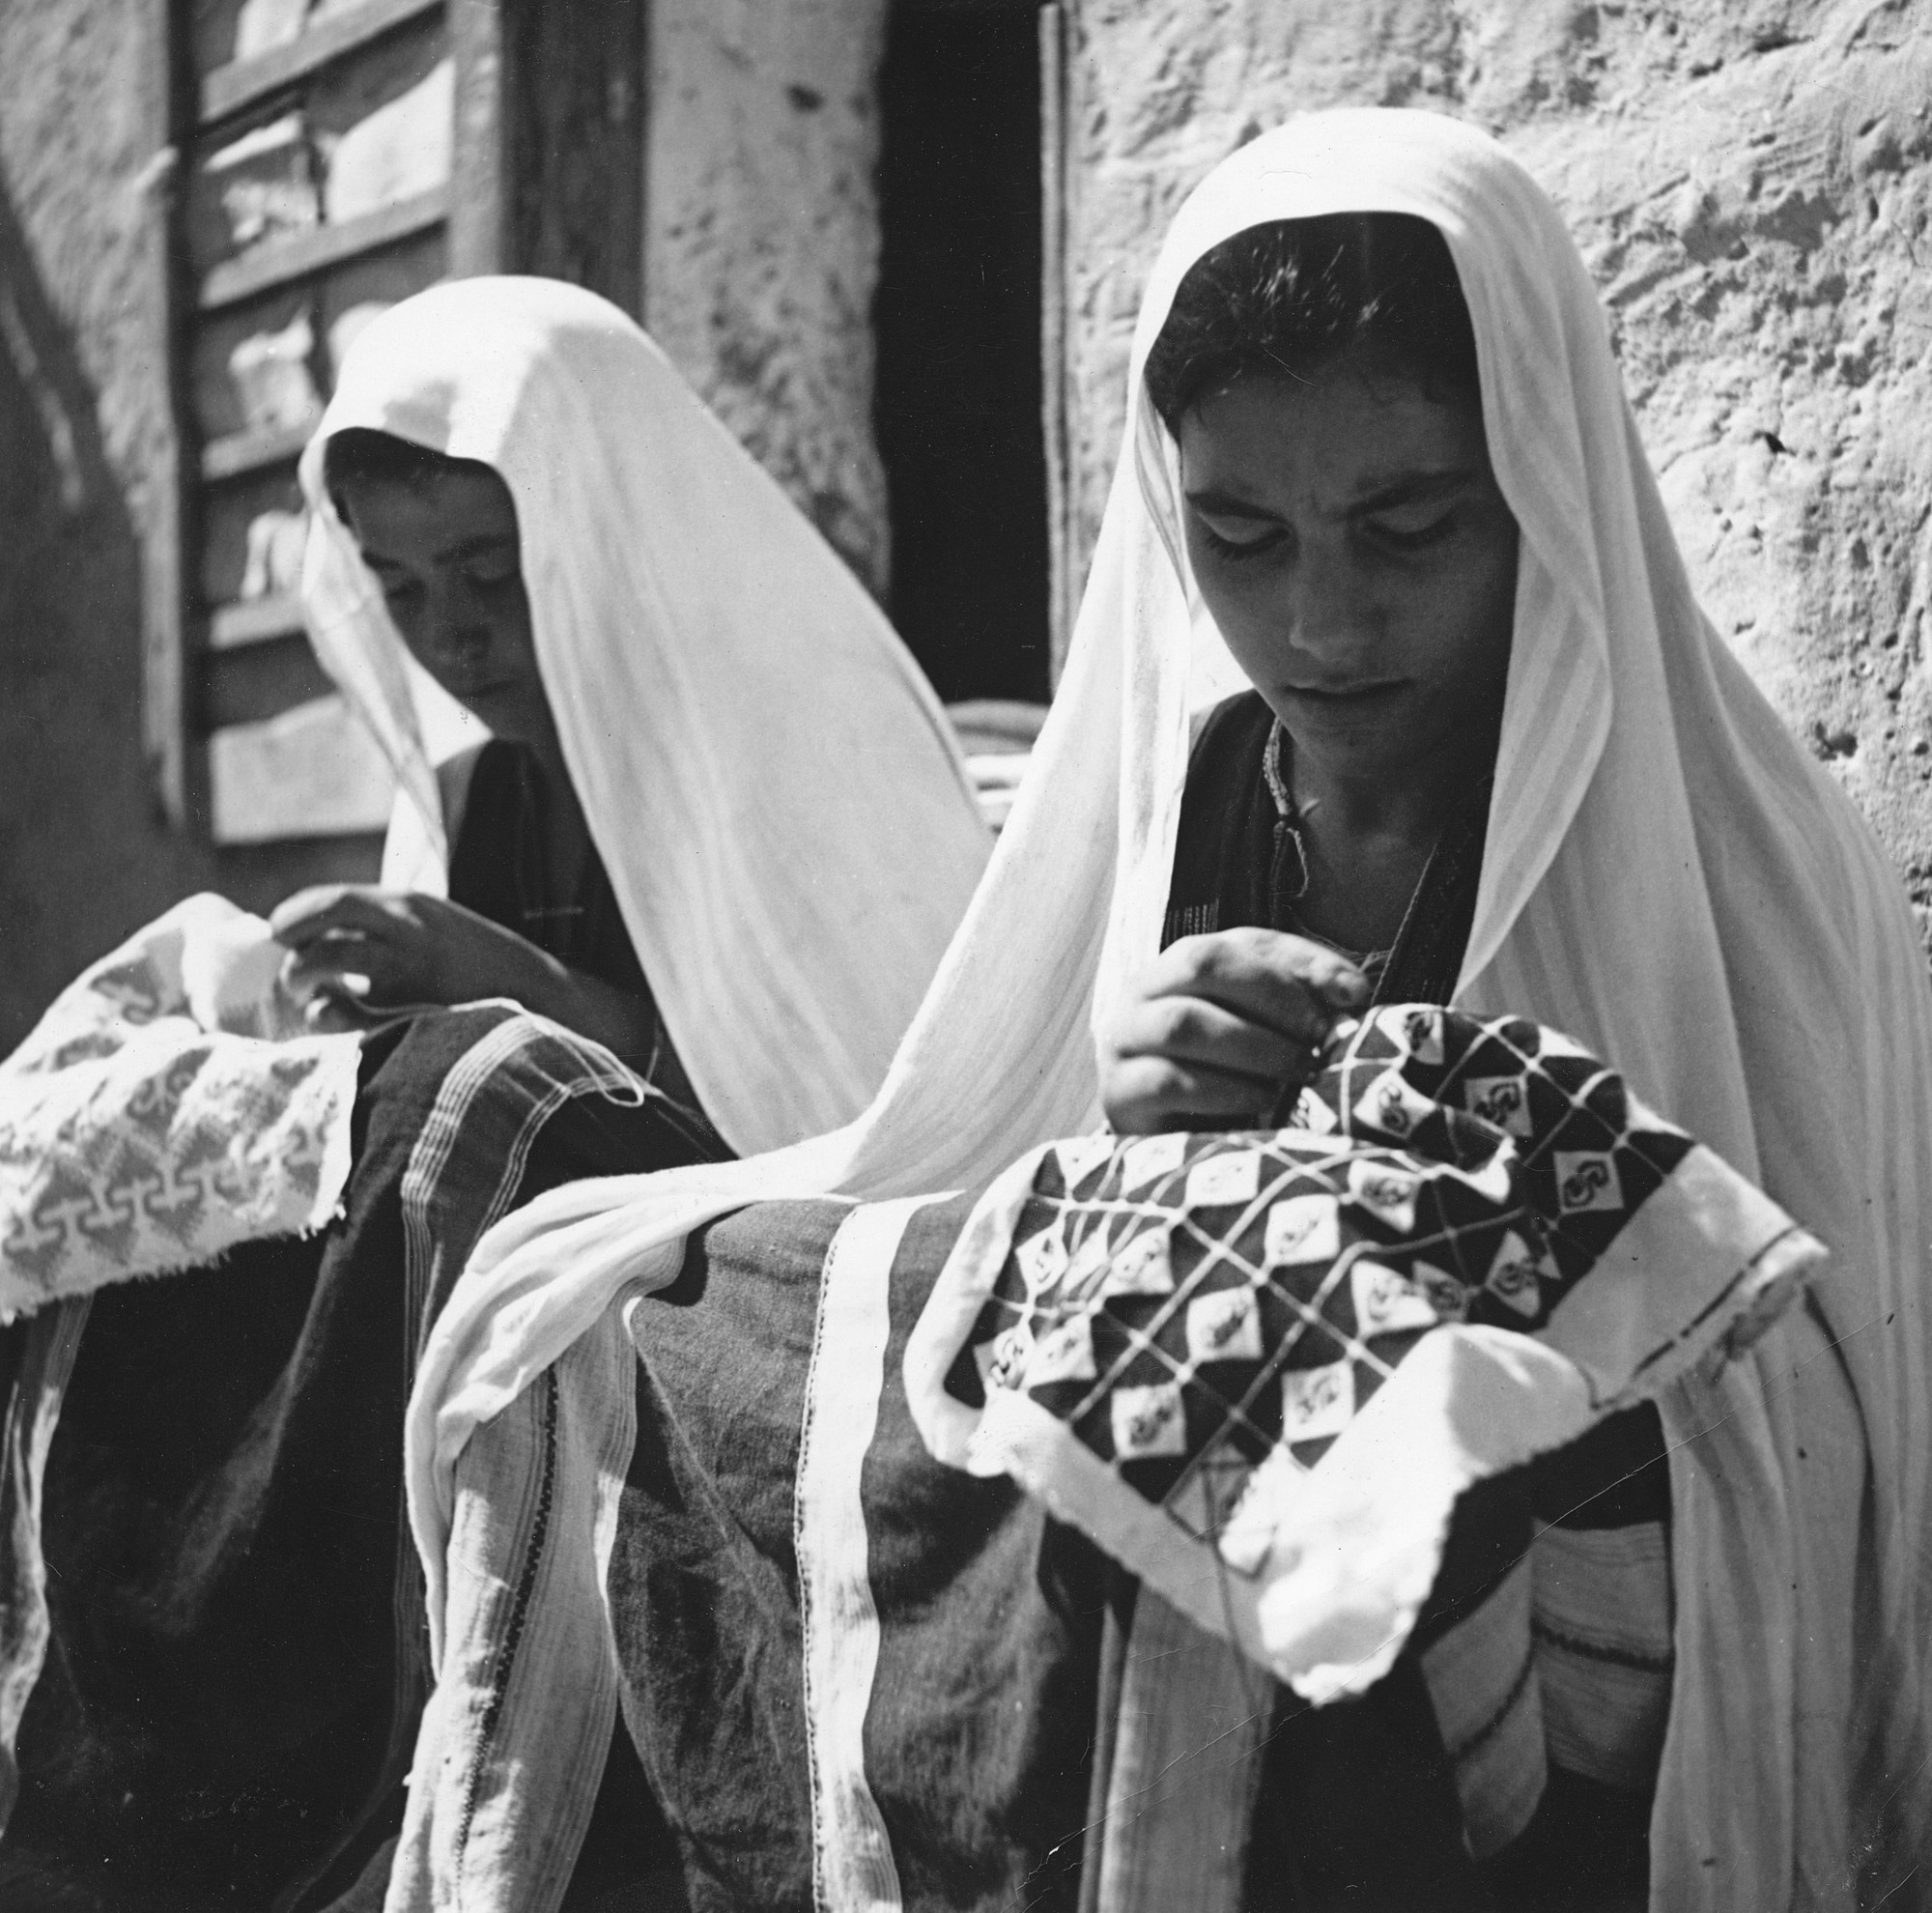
(852, 1868)
(469, 1078)
(1194, 1720)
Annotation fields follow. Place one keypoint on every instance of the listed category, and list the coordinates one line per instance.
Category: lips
(1340, 694)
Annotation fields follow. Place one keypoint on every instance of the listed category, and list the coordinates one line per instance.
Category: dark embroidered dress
(497, 869)
(1334, 1777)
(1238, 859)
(238, 1658)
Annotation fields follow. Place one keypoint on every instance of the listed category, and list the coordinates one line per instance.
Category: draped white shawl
(1667, 876)
(766, 775)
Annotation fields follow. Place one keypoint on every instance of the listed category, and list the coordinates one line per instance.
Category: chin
(508, 719)
(1374, 724)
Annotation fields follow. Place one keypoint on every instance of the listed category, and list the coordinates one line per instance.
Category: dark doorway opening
(957, 325)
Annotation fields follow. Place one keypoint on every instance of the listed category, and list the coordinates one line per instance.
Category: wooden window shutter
(339, 155)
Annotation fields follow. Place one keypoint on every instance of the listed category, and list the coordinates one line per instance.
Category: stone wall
(86, 445)
(84, 427)
(1751, 182)
(761, 240)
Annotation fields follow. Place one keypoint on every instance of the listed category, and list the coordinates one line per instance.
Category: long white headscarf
(768, 778)
(1667, 876)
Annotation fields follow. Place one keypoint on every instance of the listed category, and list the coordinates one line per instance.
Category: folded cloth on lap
(1259, 1367)
(172, 1103)
(210, 1623)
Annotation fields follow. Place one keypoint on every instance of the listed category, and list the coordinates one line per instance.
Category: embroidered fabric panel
(167, 1107)
(1187, 1304)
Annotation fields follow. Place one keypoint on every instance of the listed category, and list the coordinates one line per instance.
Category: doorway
(957, 330)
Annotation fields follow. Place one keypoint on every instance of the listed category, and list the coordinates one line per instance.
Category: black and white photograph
(965, 956)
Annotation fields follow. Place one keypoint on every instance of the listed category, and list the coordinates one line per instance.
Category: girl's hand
(379, 949)
(389, 949)
(1216, 1028)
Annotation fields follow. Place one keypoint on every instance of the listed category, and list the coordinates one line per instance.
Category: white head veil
(766, 775)
(1667, 876)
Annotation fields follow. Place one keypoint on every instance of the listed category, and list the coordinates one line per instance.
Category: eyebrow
(1410, 488)
(484, 541)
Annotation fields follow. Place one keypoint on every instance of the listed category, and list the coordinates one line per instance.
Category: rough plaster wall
(83, 419)
(1751, 186)
(85, 434)
(761, 240)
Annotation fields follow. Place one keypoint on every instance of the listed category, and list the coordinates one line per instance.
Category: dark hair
(1290, 296)
(359, 452)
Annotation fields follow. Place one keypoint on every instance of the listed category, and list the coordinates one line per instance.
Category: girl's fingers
(1145, 1095)
(332, 910)
(1283, 982)
(362, 966)
(1192, 1030)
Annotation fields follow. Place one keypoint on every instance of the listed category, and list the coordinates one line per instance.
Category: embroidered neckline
(1287, 886)
(1288, 838)
(1277, 785)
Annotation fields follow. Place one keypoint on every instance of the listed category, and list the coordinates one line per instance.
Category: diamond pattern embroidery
(1149, 1421)
(1141, 1268)
(1447, 1297)
(1080, 1156)
(1190, 1306)
(1503, 1100)
(1151, 1158)
(1043, 1259)
(1390, 1106)
(1225, 1325)
(1587, 1179)
(1513, 1277)
(1387, 1193)
(1220, 1181)
(1316, 1402)
(1386, 1300)
(1418, 1030)
(1065, 1354)
(1303, 1228)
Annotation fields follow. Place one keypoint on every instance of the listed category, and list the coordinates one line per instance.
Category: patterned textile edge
(1317, 1572)
(513, 1741)
(164, 1110)
(852, 1866)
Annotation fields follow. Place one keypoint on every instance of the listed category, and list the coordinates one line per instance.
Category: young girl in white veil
(716, 843)
(1664, 875)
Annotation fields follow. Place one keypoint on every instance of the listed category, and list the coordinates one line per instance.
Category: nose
(1325, 609)
(451, 628)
